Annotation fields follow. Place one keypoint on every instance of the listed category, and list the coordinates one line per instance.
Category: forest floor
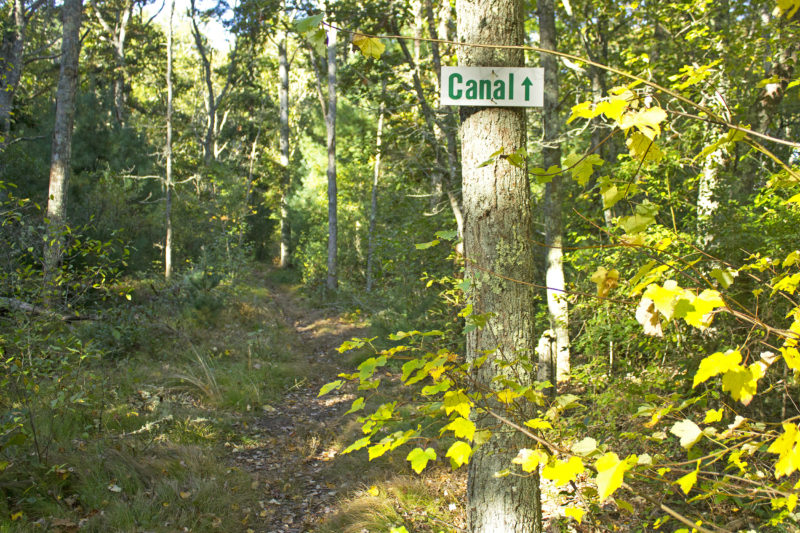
(307, 484)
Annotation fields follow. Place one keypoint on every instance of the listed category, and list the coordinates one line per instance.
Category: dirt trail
(292, 462)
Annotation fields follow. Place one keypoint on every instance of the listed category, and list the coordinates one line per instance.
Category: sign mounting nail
(492, 86)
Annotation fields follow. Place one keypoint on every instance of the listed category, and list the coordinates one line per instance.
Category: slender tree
(115, 28)
(62, 138)
(283, 97)
(168, 149)
(330, 123)
(554, 239)
(498, 231)
(373, 212)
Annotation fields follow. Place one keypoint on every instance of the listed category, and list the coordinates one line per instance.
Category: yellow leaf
(419, 458)
(788, 7)
(664, 298)
(574, 513)
(704, 304)
(792, 357)
(373, 491)
(742, 382)
(184, 494)
(507, 396)
(643, 149)
(457, 401)
(462, 427)
(687, 482)
(605, 280)
(582, 110)
(787, 447)
(563, 472)
(612, 108)
(646, 121)
(610, 473)
(538, 423)
(529, 459)
(16, 516)
(370, 46)
(687, 431)
(713, 415)
(715, 364)
(459, 453)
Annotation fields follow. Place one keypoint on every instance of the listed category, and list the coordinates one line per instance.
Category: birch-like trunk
(373, 211)
(168, 150)
(498, 232)
(330, 123)
(283, 98)
(554, 239)
(11, 49)
(62, 141)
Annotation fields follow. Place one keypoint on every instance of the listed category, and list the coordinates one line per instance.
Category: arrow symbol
(527, 84)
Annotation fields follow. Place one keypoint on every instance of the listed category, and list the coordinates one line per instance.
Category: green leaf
(715, 364)
(457, 401)
(562, 472)
(463, 428)
(370, 46)
(582, 167)
(426, 245)
(309, 23)
(328, 387)
(518, 158)
(546, 176)
(447, 235)
(357, 445)
(419, 458)
(688, 432)
(459, 453)
(367, 368)
(724, 276)
(357, 405)
(610, 474)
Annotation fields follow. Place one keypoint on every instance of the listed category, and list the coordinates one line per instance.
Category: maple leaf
(713, 415)
(574, 513)
(643, 149)
(715, 364)
(462, 428)
(459, 453)
(457, 401)
(787, 447)
(529, 459)
(419, 458)
(743, 382)
(370, 46)
(646, 121)
(610, 473)
(688, 432)
(687, 482)
(562, 472)
(582, 167)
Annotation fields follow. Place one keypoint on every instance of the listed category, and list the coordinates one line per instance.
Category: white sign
(492, 86)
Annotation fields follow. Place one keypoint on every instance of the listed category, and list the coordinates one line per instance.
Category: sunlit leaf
(687, 482)
(529, 459)
(357, 445)
(647, 316)
(715, 364)
(309, 23)
(582, 167)
(459, 453)
(713, 415)
(457, 401)
(369, 46)
(688, 432)
(463, 428)
(328, 387)
(643, 149)
(610, 473)
(562, 472)
(787, 447)
(584, 447)
(605, 280)
(742, 382)
(574, 513)
(419, 458)
(357, 405)
(538, 423)
(646, 121)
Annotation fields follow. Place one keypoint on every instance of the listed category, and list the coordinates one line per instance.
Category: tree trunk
(11, 50)
(62, 140)
(283, 97)
(551, 155)
(498, 233)
(330, 123)
(168, 149)
(373, 212)
(116, 38)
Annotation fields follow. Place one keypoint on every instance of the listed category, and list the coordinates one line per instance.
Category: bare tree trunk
(249, 192)
(498, 232)
(116, 36)
(283, 97)
(373, 212)
(62, 141)
(11, 50)
(330, 123)
(551, 155)
(168, 149)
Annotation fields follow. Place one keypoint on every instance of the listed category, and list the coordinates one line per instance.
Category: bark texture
(62, 137)
(168, 150)
(554, 238)
(373, 211)
(498, 232)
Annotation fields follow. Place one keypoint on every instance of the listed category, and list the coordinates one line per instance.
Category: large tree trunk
(330, 123)
(62, 139)
(373, 212)
(498, 233)
(168, 149)
(551, 155)
(283, 97)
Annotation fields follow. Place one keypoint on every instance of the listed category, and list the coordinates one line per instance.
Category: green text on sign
(492, 86)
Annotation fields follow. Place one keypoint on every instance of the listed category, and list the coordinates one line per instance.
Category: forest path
(293, 461)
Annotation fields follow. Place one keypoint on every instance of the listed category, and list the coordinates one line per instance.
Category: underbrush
(120, 423)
